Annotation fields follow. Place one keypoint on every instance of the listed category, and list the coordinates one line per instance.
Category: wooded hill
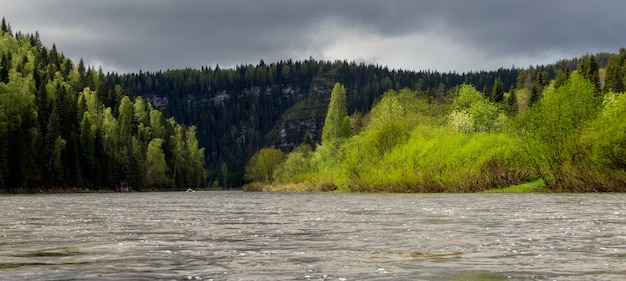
(239, 111)
(65, 127)
(569, 132)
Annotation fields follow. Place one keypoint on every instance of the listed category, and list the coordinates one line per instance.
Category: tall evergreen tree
(3, 26)
(561, 77)
(513, 102)
(588, 68)
(497, 93)
(615, 79)
(337, 122)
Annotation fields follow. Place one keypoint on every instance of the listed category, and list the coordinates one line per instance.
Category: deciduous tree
(261, 166)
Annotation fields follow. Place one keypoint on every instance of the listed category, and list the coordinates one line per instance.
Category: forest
(309, 124)
(65, 127)
(569, 132)
(242, 110)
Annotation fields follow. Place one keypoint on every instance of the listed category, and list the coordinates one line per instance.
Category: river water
(312, 236)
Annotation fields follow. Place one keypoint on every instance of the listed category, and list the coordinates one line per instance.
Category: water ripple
(258, 236)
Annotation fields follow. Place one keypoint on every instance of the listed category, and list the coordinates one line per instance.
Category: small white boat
(190, 190)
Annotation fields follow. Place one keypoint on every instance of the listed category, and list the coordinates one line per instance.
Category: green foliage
(440, 160)
(195, 175)
(534, 185)
(356, 122)
(156, 166)
(588, 68)
(240, 110)
(125, 119)
(512, 102)
(497, 93)
(335, 131)
(567, 138)
(554, 123)
(262, 165)
(64, 126)
(337, 123)
(237, 110)
(296, 164)
(471, 112)
(615, 79)
(561, 77)
(599, 160)
(467, 95)
(67, 125)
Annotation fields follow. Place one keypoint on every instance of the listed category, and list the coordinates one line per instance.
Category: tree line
(237, 110)
(67, 127)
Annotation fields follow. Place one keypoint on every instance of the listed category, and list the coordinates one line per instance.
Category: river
(233, 235)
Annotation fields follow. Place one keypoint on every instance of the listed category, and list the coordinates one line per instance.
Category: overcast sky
(443, 35)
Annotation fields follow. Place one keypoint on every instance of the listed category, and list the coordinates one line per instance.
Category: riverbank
(533, 185)
(68, 190)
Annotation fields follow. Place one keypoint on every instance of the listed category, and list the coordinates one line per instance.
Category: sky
(441, 35)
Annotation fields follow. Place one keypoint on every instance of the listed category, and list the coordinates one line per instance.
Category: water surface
(304, 236)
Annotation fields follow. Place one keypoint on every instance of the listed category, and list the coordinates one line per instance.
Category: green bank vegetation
(567, 135)
(534, 185)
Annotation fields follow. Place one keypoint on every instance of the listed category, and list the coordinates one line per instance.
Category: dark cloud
(443, 34)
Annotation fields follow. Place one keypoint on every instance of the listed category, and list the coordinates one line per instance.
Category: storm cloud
(444, 35)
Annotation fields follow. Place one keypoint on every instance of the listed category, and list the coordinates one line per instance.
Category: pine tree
(614, 80)
(497, 93)
(588, 68)
(512, 102)
(82, 72)
(561, 77)
(541, 78)
(3, 26)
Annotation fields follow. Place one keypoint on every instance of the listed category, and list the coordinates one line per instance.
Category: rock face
(306, 116)
(292, 131)
(157, 101)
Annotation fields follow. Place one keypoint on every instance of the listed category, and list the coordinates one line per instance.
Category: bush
(442, 160)
(262, 165)
(553, 126)
(254, 187)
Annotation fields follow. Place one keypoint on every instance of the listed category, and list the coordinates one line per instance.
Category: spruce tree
(3, 26)
(512, 102)
(616, 72)
(588, 68)
(561, 77)
(497, 93)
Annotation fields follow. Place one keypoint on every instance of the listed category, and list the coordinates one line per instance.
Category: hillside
(567, 132)
(239, 111)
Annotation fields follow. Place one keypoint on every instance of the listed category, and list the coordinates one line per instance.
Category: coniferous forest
(66, 127)
(307, 125)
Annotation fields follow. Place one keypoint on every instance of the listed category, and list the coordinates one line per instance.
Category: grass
(534, 185)
(303, 186)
